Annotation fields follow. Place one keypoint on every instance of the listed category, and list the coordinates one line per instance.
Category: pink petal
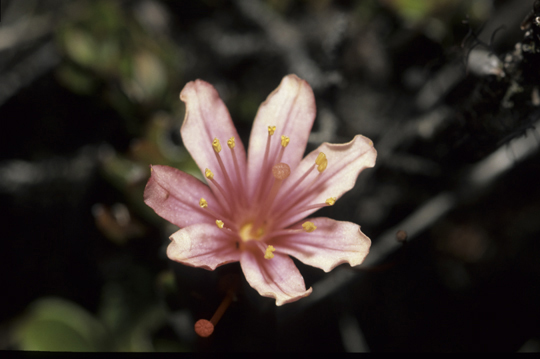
(331, 244)
(202, 245)
(175, 195)
(345, 162)
(291, 108)
(276, 278)
(207, 118)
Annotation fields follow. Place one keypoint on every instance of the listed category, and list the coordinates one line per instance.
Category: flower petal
(207, 118)
(291, 108)
(276, 278)
(345, 162)
(202, 245)
(331, 244)
(175, 195)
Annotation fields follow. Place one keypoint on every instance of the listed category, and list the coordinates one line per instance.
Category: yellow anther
(322, 166)
(219, 223)
(269, 254)
(216, 145)
(285, 141)
(231, 143)
(321, 157)
(203, 203)
(271, 130)
(309, 227)
(330, 201)
(208, 174)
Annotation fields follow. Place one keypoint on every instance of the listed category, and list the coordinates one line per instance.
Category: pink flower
(252, 210)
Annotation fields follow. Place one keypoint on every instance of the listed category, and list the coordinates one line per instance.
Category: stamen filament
(217, 150)
(204, 206)
(306, 227)
(271, 130)
(281, 172)
(238, 175)
(296, 185)
(295, 201)
(313, 206)
(222, 191)
(221, 225)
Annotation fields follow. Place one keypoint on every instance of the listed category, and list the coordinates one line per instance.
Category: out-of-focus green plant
(415, 12)
(54, 324)
(109, 52)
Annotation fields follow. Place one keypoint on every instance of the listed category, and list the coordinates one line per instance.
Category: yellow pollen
(216, 145)
(320, 158)
(219, 223)
(285, 141)
(309, 227)
(203, 203)
(322, 166)
(330, 201)
(247, 233)
(231, 143)
(271, 130)
(269, 254)
(208, 174)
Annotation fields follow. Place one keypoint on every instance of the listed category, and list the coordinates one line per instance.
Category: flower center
(247, 232)
(267, 208)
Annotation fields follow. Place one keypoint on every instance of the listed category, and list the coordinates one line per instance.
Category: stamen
(271, 130)
(318, 161)
(322, 166)
(306, 227)
(285, 141)
(231, 143)
(320, 157)
(217, 148)
(210, 175)
(203, 203)
(296, 200)
(309, 227)
(280, 171)
(216, 145)
(330, 201)
(205, 328)
(268, 254)
(221, 225)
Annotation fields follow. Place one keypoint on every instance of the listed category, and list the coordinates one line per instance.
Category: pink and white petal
(174, 196)
(331, 244)
(275, 278)
(202, 245)
(345, 162)
(207, 118)
(291, 108)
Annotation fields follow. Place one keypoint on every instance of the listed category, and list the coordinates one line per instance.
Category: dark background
(448, 90)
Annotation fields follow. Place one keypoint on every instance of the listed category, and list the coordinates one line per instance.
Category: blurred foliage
(109, 52)
(54, 324)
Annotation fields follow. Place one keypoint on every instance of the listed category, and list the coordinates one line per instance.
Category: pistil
(205, 328)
